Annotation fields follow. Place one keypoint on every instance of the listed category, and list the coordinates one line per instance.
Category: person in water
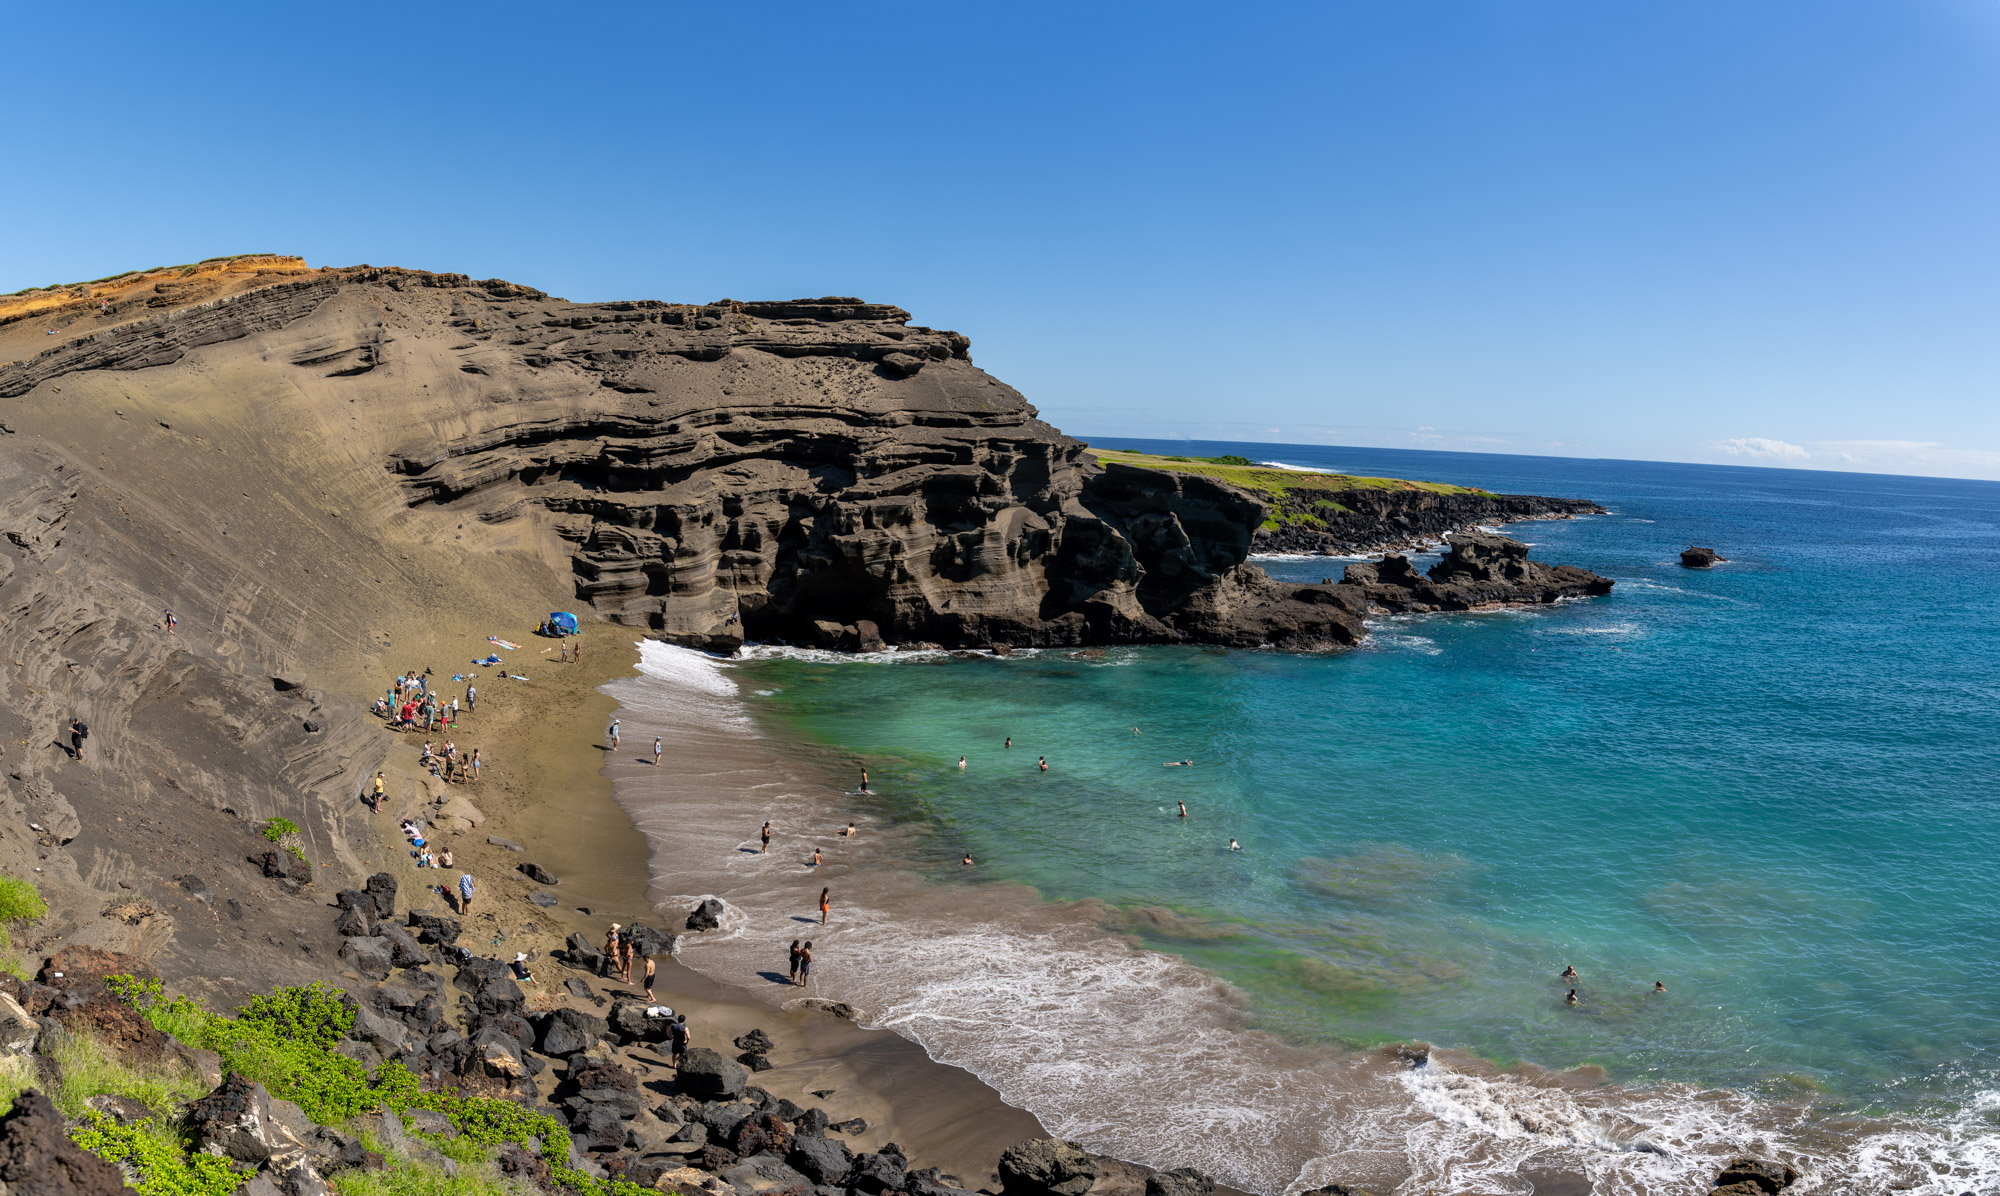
(1010, 742)
(1659, 986)
(967, 859)
(1183, 806)
(850, 832)
(766, 835)
(816, 858)
(795, 961)
(961, 764)
(1042, 762)
(864, 780)
(1569, 973)
(825, 902)
(1235, 846)
(1571, 999)
(806, 963)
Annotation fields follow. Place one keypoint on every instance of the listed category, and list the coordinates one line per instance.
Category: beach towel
(501, 642)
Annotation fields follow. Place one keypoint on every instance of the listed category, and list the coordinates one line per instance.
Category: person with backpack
(677, 1034)
(78, 732)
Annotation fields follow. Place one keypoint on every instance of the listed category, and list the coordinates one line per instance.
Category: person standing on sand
(576, 653)
(471, 698)
(806, 964)
(473, 764)
(465, 892)
(766, 836)
(78, 732)
(565, 651)
(795, 961)
(658, 748)
(678, 1035)
(611, 949)
(649, 980)
(376, 805)
(611, 735)
(825, 902)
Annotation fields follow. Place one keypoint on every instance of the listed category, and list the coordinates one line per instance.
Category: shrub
(87, 1069)
(1229, 459)
(154, 1150)
(285, 833)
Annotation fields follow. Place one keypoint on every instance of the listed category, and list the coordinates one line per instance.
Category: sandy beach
(546, 784)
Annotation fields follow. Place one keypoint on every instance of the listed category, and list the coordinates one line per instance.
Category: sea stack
(1700, 558)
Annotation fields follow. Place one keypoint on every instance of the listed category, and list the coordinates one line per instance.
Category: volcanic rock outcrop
(1479, 570)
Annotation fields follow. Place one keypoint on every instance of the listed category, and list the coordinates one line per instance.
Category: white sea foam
(1299, 468)
(1140, 1054)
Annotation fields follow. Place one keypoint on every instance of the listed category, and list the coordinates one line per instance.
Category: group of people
(449, 765)
(620, 955)
(410, 703)
(1570, 977)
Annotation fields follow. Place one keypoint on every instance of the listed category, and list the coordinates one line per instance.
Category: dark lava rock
(565, 1032)
(1754, 1177)
(373, 957)
(759, 1134)
(712, 1158)
(706, 916)
(538, 874)
(357, 914)
(886, 1171)
(812, 1121)
(1181, 1181)
(647, 941)
(754, 1061)
(756, 1040)
(233, 1121)
(706, 1075)
(283, 865)
(820, 1159)
(1700, 558)
(504, 844)
(853, 1125)
(1046, 1167)
(38, 1159)
(435, 929)
(545, 900)
(597, 1130)
(382, 887)
(122, 1109)
(78, 967)
(579, 953)
(117, 1025)
(766, 1176)
(520, 1163)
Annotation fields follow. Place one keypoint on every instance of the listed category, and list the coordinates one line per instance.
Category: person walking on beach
(375, 806)
(806, 964)
(611, 735)
(78, 732)
(471, 698)
(766, 836)
(825, 901)
(649, 979)
(795, 961)
(864, 780)
(465, 892)
(171, 621)
(658, 748)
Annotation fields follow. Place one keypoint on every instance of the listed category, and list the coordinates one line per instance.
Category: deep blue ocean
(1773, 786)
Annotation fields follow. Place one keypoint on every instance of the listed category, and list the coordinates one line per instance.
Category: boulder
(1700, 558)
(756, 1040)
(403, 949)
(545, 900)
(879, 1173)
(1181, 1181)
(760, 1133)
(706, 916)
(812, 1121)
(19, 1031)
(38, 1159)
(565, 1032)
(714, 1158)
(754, 1061)
(357, 915)
(820, 1159)
(1046, 1167)
(387, 1035)
(435, 929)
(519, 1163)
(901, 365)
(630, 1023)
(706, 1075)
(766, 1177)
(597, 1130)
(850, 1127)
(116, 1025)
(868, 636)
(721, 1119)
(456, 806)
(382, 887)
(538, 874)
(332, 1150)
(373, 957)
(646, 941)
(283, 865)
(579, 953)
(504, 844)
(1754, 1177)
(235, 1121)
(602, 1085)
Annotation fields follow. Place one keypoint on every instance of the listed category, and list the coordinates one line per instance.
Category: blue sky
(1757, 233)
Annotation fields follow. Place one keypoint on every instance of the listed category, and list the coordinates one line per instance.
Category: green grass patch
(17, 1075)
(410, 1177)
(1262, 479)
(19, 902)
(88, 1069)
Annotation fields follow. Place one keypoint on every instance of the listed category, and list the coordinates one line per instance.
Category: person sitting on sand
(444, 858)
(520, 966)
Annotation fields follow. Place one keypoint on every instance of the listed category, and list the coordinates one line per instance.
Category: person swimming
(850, 832)
(1571, 999)
(1042, 762)
(1235, 846)
(1569, 973)
(1659, 986)
(1183, 806)
(1009, 743)
(961, 764)
(967, 859)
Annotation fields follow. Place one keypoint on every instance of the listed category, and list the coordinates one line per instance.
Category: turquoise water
(1771, 785)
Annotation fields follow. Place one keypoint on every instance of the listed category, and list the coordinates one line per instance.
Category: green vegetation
(285, 833)
(1282, 488)
(87, 1069)
(286, 1042)
(19, 902)
(154, 1149)
(406, 1177)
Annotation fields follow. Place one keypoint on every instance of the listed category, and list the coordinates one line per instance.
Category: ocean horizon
(1767, 786)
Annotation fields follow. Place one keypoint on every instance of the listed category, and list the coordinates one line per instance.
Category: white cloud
(1763, 448)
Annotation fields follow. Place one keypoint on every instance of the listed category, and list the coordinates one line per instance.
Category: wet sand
(546, 785)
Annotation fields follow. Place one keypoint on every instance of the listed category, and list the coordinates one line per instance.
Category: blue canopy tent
(562, 622)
